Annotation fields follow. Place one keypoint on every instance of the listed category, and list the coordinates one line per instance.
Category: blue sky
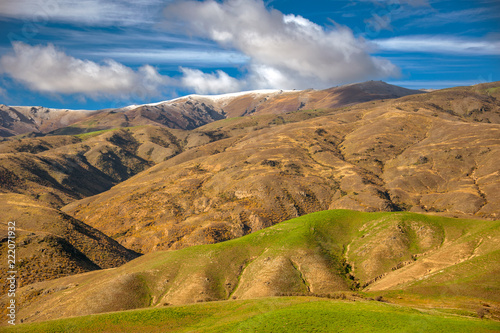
(97, 54)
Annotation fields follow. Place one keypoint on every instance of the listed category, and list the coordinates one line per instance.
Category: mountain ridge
(191, 111)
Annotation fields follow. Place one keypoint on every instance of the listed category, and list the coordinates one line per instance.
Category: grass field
(284, 314)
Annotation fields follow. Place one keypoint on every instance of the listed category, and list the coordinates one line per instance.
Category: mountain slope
(317, 254)
(60, 169)
(51, 244)
(376, 156)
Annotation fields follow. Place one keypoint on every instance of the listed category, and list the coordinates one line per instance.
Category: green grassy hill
(285, 314)
(398, 255)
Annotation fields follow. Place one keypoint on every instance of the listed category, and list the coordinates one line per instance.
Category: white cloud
(205, 83)
(269, 76)
(46, 69)
(91, 12)
(49, 70)
(439, 44)
(172, 56)
(434, 18)
(285, 51)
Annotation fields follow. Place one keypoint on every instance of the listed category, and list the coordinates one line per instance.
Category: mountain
(376, 156)
(15, 120)
(68, 164)
(396, 255)
(261, 102)
(189, 112)
(95, 189)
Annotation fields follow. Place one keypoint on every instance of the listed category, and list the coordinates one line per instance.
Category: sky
(96, 54)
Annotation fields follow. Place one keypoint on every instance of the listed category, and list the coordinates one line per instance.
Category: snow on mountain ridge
(217, 98)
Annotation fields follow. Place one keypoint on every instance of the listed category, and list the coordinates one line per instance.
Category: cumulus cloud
(205, 83)
(285, 51)
(46, 69)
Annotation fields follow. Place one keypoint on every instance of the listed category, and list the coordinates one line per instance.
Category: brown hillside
(329, 98)
(479, 103)
(51, 244)
(187, 115)
(60, 169)
(376, 156)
